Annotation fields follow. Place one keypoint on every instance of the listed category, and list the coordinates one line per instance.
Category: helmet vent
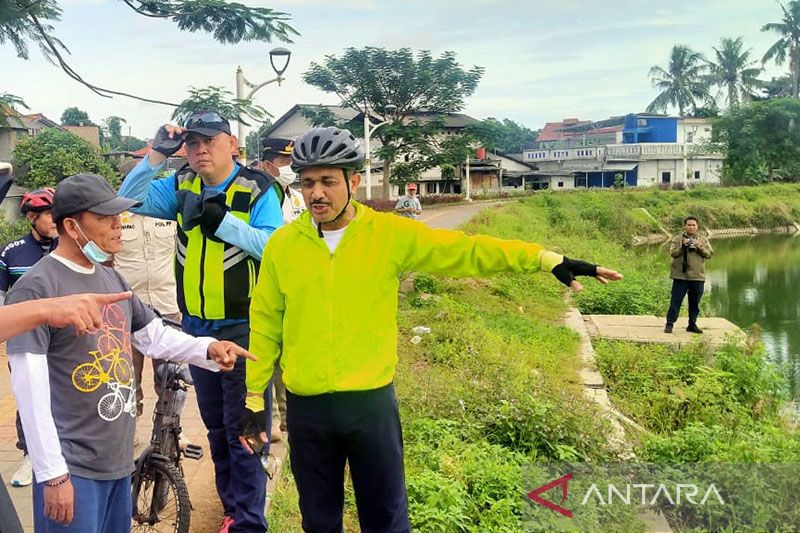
(338, 150)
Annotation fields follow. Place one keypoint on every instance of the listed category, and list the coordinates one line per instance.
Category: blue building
(643, 128)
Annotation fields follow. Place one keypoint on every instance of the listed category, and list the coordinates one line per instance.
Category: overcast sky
(544, 60)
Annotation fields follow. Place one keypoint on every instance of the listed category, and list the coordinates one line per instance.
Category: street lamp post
(369, 129)
(468, 184)
(280, 54)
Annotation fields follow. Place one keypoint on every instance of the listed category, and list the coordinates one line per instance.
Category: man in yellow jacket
(326, 303)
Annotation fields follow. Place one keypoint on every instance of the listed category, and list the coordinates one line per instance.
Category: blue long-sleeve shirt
(160, 201)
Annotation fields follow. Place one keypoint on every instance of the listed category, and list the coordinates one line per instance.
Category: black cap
(88, 192)
(208, 123)
(277, 145)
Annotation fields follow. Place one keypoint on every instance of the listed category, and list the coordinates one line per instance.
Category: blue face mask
(93, 253)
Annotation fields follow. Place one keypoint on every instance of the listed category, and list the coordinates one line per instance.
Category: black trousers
(679, 289)
(363, 429)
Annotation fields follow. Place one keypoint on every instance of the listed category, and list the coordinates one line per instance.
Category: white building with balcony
(653, 150)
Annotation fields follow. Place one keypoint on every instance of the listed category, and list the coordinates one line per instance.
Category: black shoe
(668, 328)
(694, 329)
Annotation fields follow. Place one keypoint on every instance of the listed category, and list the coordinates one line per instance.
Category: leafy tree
(420, 87)
(30, 21)
(53, 155)
(8, 105)
(788, 45)
(733, 71)
(112, 133)
(682, 84)
(220, 100)
(761, 141)
(131, 143)
(776, 87)
(506, 136)
(253, 140)
(72, 116)
(709, 111)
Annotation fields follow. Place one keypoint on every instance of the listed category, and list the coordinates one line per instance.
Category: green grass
(493, 387)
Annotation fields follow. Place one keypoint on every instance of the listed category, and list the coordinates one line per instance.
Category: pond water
(756, 280)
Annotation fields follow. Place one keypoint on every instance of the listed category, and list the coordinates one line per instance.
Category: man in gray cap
(76, 394)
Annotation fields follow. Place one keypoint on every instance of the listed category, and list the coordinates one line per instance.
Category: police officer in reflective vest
(225, 214)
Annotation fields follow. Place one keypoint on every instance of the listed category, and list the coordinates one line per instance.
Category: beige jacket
(694, 259)
(146, 260)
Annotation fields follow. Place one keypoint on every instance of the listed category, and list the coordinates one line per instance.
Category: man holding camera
(689, 252)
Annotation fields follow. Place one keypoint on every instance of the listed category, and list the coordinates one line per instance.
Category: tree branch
(106, 93)
(145, 13)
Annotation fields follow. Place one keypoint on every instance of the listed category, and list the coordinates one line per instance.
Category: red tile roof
(552, 130)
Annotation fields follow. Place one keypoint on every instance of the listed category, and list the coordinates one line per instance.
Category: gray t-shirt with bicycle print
(92, 390)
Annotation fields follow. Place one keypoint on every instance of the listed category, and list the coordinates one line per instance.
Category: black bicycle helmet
(329, 147)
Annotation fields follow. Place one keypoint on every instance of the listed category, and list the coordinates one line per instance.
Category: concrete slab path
(650, 329)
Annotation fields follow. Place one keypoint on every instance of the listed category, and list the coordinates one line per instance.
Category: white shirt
(333, 237)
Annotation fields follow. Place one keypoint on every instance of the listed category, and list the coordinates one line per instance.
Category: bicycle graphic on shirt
(110, 364)
(114, 403)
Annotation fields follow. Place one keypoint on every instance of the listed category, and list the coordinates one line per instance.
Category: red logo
(562, 481)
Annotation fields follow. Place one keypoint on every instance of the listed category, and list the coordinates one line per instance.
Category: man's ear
(269, 168)
(355, 180)
(31, 216)
(70, 230)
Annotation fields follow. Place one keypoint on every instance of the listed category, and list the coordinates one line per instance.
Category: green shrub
(53, 155)
(427, 283)
(11, 231)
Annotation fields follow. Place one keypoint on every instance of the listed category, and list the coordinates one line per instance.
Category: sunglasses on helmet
(205, 120)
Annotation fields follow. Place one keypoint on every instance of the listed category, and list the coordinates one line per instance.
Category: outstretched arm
(158, 341)
(453, 253)
(82, 311)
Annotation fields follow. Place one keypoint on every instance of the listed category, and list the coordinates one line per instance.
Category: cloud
(543, 61)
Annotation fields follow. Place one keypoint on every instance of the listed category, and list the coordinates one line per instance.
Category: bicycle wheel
(122, 371)
(87, 377)
(108, 344)
(110, 407)
(160, 499)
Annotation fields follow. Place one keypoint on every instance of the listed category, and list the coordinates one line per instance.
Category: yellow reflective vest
(214, 278)
(332, 317)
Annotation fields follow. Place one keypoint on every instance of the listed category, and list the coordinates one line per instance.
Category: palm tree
(8, 105)
(788, 46)
(683, 82)
(734, 72)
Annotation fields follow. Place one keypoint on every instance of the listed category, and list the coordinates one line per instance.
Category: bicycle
(114, 403)
(87, 377)
(158, 489)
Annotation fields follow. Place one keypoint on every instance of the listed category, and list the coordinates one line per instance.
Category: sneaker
(694, 329)
(668, 328)
(227, 522)
(24, 474)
